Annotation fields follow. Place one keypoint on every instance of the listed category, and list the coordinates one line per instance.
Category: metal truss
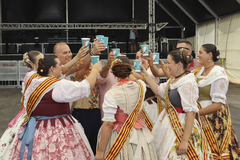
(151, 22)
(26, 26)
(161, 25)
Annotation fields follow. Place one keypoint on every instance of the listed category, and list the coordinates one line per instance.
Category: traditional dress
(217, 126)
(51, 132)
(9, 135)
(121, 102)
(88, 113)
(150, 102)
(180, 97)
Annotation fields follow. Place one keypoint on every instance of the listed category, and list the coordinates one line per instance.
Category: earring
(209, 60)
(53, 75)
(178, 70)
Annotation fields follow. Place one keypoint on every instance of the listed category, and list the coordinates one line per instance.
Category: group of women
(194, 124)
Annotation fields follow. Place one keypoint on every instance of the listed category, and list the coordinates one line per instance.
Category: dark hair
(45, 63)
(32, 57)
(212, 48)
(124, 59)
(181, 55)
(186, 42)
(122, 70)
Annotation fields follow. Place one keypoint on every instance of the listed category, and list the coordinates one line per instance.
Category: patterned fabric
(59, 143)
(9, 137)
(94, 97)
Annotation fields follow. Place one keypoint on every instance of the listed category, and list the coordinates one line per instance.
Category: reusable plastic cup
(116, 52)
(85, 41)
(137, 65)
(103, 39)
(95, 59)
(145, 50)
(98, 36)
(155, 58)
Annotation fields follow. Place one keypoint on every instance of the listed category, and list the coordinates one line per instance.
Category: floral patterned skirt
(9, 137)
(55, 142)
(196, 140)
(131, 148)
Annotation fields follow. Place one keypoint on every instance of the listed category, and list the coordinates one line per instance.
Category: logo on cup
(86, 43)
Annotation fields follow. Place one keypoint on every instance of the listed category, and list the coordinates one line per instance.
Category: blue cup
(85, 41)
(98, 36)
(116, 52)
(155, 58)
(103, 39)
(95, 59)
(137, 65)
(145, 50)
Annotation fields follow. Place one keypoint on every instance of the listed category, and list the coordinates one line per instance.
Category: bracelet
(108, 66)
(95, 70)
(79, 60)
(145, 75)
(163, 66)
(150, 63)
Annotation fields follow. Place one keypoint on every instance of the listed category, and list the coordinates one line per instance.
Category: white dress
(164, 136)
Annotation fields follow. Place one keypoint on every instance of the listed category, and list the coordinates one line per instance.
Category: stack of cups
(85, 41)
(116, 52)
(155, 58)
(145, 50)
(101, 38)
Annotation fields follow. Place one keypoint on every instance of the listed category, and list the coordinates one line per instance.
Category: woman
(177, 134)
(31, 60)
(122, 122)
(152, 108)
(50, 132)
(214, 111)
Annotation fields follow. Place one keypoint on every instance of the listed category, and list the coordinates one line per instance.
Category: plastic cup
(155, 58)
(145, 50)
(95, 59)
(103, 39)
(85, 41)
(137, 65)
(116, 52)
(98, 36)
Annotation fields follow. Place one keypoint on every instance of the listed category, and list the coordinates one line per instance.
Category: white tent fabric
(228, 35)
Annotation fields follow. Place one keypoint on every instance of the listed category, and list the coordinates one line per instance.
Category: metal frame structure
(26, 26)
(151, 24)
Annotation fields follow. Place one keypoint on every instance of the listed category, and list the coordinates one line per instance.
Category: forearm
(79, 76)
(152, 84)
(166, 72)
(69, 65)
(188, 126)
(92, 78)
(104, 72)
(156, 72)
(105, 134)
(79, 66)
(136, 75)
(210, 109)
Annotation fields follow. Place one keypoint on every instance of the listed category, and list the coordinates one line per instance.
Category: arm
(105, 134)
(92, 77)
(187, 133)
(214, 107)
(82, 51)
(106, 68)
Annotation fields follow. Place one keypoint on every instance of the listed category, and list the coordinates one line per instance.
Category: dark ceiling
(109, 11)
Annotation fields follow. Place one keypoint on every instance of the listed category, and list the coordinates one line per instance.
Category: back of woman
(120, 103)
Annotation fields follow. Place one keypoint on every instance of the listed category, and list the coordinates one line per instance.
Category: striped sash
(126, 129)
(146, 119)
(35, 75)
(218, 153)
(37, 94)
(159, 103)
(177, 126)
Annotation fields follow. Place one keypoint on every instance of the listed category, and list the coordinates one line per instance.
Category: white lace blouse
(187, 89)
(63, 90)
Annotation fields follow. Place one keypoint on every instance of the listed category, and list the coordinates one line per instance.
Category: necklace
(180, 75)
(209, 67)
